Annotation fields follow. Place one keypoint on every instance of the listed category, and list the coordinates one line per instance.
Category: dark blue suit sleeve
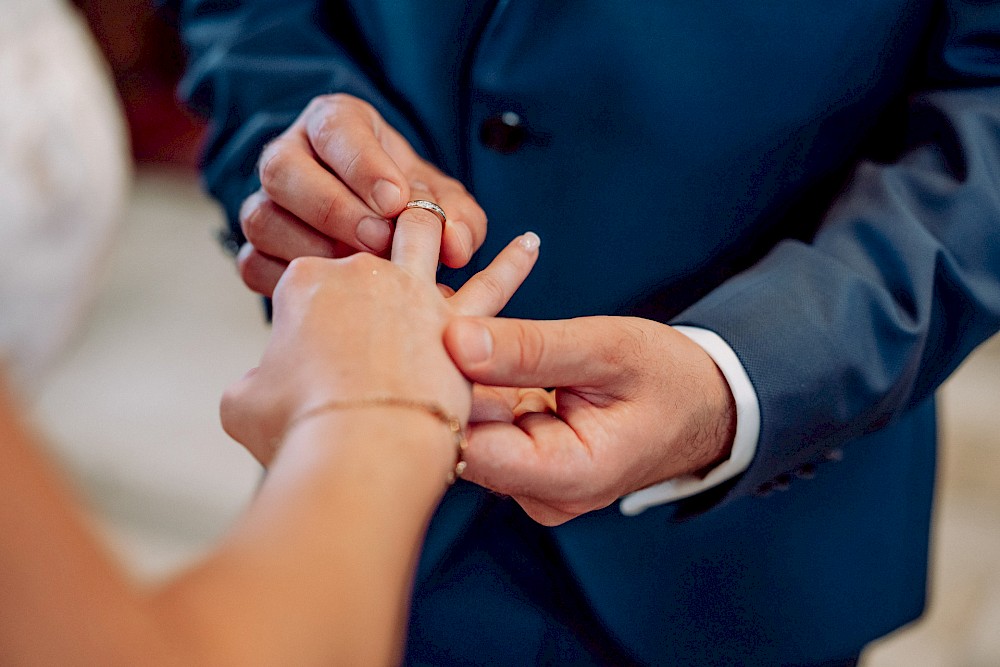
(843, 333)
(253, 67)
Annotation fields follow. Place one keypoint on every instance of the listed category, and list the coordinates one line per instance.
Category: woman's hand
(363, 327)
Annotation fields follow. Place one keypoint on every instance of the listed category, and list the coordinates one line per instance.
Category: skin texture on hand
(332, 183)
(362, 327)
(635, 403)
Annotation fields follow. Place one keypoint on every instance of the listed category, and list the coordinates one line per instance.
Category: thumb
(533, 353)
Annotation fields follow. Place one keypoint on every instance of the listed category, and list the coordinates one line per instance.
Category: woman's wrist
(389, 438)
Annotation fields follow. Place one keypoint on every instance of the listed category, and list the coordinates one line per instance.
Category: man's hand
(331, 183)
(635, 403)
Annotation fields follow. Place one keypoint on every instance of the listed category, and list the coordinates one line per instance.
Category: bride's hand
(363, 327)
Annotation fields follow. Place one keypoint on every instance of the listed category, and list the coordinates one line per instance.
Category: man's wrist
(744, 437)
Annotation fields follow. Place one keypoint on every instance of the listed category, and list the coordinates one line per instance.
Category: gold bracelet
(433, 409)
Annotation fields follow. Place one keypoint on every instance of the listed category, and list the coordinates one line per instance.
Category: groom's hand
(635, 403)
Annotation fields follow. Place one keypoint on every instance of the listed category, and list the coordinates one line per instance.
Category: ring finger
(416, 243)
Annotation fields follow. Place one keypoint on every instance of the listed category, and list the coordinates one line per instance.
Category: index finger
(345, 133)
(487, 292)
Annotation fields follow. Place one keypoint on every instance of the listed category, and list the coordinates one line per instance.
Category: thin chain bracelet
(433, 409)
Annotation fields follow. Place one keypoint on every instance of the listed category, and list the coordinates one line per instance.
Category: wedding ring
(428, 206)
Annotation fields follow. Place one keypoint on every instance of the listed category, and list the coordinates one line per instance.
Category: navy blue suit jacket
(817, 182)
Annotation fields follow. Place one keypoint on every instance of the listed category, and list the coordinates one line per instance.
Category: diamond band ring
(428, 206)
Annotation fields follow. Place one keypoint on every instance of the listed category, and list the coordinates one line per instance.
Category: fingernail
(530, 241)
(475, 342)
(374, 233)
(244, 252)
(387, 197)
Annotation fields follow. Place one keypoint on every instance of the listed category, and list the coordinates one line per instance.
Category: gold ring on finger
(428, 206)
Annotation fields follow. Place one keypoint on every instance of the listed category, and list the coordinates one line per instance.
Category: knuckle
(357, 166)
(493, 287)
(325, 133)
(303, 270)
(342, 146)
(330, 104)
(327, 113)
(363, 261)
(359, 264)
(531, 347)
(273, 163)
(253, 220)
(316, 104)
(329, 212)
(330, 110)
(344, 103)
(333, 102)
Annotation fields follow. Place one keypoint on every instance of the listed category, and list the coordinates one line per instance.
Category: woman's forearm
(330, 543)
(317, 571)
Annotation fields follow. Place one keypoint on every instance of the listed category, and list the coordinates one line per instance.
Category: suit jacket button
(505, 132)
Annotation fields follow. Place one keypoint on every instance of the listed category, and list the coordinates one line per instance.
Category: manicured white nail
(244, 252)
(529, 241)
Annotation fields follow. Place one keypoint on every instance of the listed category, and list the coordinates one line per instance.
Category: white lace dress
(64, 174)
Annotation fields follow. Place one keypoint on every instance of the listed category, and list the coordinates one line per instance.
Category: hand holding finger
(349, 136)
(465, 230)
(381, 169)
(636, 403)
(276, 232)
(293, 179)
(337, 176)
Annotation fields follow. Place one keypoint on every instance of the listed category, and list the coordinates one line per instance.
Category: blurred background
(131, 408)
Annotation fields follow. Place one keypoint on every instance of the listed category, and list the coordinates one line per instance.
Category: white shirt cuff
(744, 442)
